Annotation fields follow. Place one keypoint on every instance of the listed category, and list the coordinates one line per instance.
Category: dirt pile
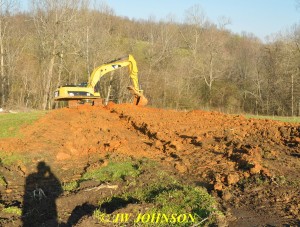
(224, 153)
(204, 140)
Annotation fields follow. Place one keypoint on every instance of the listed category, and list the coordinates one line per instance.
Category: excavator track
(74, 103)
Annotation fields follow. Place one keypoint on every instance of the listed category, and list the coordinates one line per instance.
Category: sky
(260, 17)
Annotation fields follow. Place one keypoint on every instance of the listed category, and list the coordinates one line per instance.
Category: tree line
(195, 64)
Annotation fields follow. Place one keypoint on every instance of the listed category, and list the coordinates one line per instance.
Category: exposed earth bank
(250, 166)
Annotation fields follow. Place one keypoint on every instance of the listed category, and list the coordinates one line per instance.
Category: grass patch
(3, 181)
(182, 199)
(153, 191)
(10, 124)
(98, 214)
(113, 171)
(162, 194)
(70, 186)
(294, 183)
(10, 159)
(276, 118)
(13, 210)
(172, 199)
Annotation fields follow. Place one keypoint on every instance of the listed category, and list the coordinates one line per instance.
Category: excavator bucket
(139, 98)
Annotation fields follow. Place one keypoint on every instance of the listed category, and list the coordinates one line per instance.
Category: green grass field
(276, 118)
(10, 124)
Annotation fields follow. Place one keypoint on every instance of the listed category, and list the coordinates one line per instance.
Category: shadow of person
(41, 190)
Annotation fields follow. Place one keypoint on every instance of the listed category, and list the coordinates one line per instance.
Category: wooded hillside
(191, 65)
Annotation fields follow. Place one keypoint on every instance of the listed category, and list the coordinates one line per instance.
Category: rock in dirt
(62, 156)
(218, 186)
(181, 167)
(233, 178)
(256, 169)
(226, 195)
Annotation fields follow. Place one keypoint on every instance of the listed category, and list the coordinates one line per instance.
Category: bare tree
(7, 8)
(53, 20)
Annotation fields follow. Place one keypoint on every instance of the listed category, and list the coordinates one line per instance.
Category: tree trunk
(292, 106)
(49, 76)
(3, 91)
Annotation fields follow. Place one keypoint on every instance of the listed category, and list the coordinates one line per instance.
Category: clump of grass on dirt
(160, 192)
(9, 159)
(113, 171)
(167, 199)
(11, 123)
(98, 214)
(294, 183)
(70, 186)
(180, 199)
(2, 181)
(12, 210)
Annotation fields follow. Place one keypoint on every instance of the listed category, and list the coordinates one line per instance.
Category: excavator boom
(111, 66)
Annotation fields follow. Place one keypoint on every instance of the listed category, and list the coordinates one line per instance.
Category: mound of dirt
(227, 154)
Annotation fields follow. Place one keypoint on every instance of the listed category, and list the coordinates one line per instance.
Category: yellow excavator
(86, 93)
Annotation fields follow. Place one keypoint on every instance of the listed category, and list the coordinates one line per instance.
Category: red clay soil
(228, 154)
